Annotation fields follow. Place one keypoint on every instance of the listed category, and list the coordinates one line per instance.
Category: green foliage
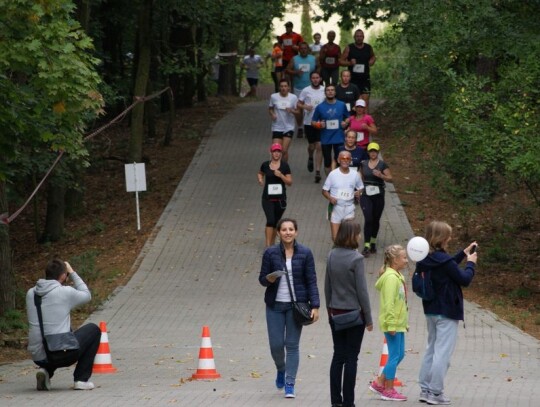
(48, 85)
(471, 71)
(12, 320)
(85, 265)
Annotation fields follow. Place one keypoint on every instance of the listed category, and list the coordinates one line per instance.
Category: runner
(299, 69)
(309, 98)
(331, 116)
(329, 60)
(358, 154)
(363, 124)
(358, 57)
(282, 108)
(274, 176)
(375, 173)
(290, 43)
(347, 92)
(252, 63)
(341, 188)
(316, 46)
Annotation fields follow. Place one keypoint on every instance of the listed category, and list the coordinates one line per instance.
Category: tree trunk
(7, 279)
(203, 70)
(141, 81)
(83, 14)
(227, 70)
(54, 222)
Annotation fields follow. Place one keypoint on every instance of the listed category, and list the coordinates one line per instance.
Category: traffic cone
(103, 360)
(383, 360)
(207, 366)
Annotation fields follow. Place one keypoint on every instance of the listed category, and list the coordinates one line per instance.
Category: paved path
(202, 268)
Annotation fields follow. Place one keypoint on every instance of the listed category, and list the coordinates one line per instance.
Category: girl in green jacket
(393, 319)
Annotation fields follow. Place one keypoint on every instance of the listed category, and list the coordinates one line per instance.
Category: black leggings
(274, 211)
(372, 207)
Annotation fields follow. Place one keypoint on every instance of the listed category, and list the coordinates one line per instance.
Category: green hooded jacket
(393, 312)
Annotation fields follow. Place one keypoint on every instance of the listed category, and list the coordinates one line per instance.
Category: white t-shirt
(285, 121)
(342, 186)
(252, 63)
(313, 97)
(283, 293)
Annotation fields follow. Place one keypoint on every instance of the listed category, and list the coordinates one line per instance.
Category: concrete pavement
(202, 268)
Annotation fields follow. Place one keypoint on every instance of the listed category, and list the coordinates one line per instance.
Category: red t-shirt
(288, 41)
(331, 54)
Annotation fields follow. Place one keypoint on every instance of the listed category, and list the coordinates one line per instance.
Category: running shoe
(376, 388)
(289, 391)
(317, 177)
(393, 395)
(438, 399)
(43, 380)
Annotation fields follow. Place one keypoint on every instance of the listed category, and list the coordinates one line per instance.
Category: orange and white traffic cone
(103, 360)
(207, 367)
(383, 360)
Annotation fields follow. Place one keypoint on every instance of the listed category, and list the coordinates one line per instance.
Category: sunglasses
(345, 159)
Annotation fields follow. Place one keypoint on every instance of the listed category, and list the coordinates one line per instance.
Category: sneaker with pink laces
(393, 395)
(376, 388)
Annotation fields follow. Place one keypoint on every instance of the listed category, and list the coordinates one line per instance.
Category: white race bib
(353, 169)
(282, 105)
(275, 189)
(348, 107)
(372, 190)
(303, 67)
(358, 68)
(330, 60)
(332, 124)
(345, 193)
(359, 136)
(287, 42)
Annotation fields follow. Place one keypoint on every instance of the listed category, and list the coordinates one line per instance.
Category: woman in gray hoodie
(346, 290)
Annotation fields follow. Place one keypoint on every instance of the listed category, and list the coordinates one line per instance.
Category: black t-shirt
(274, 187)
(367, 172)
(348, 95)
(362, 56)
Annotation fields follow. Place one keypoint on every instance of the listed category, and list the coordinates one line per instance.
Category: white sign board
(135, 177)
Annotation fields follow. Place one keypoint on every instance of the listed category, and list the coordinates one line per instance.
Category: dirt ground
(103, 243)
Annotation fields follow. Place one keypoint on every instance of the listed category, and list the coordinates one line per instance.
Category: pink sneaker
(393, 395)
(376, 388)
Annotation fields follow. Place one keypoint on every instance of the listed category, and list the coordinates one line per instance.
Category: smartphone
(473, 249)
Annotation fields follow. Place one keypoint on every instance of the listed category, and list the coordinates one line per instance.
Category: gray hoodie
(56, 304)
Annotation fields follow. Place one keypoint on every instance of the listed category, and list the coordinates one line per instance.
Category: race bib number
(359, 136)
(303, 67)
(348, 106)
(345, 193)
(275, 189)
(353, 169)
(332, 124)
(283, 105)
(287, 42)
(330, 60)
(372, 190)
(359, 68)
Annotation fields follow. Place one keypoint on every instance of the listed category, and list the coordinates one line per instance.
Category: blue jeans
(284, 337)
(442, 338)
(396, 353)
(347, 343)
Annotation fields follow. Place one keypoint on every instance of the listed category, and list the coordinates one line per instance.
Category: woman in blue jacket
(293, 261)
(444, 312)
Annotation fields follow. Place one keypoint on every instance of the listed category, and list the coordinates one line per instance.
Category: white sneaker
(439, 399)
(83, 386)
(43, 380)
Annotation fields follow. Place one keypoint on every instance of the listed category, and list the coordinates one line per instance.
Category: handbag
(301, 310)
(62, 349)
(347, 319)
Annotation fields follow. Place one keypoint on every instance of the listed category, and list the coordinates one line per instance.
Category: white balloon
(417, 248)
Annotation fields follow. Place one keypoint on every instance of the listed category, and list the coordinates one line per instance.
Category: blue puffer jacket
(303, 271)
(447, 279)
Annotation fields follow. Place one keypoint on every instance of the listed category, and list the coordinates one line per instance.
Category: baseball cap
(288, 24)
(360, 102)
(373, 146)
(275, 146)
